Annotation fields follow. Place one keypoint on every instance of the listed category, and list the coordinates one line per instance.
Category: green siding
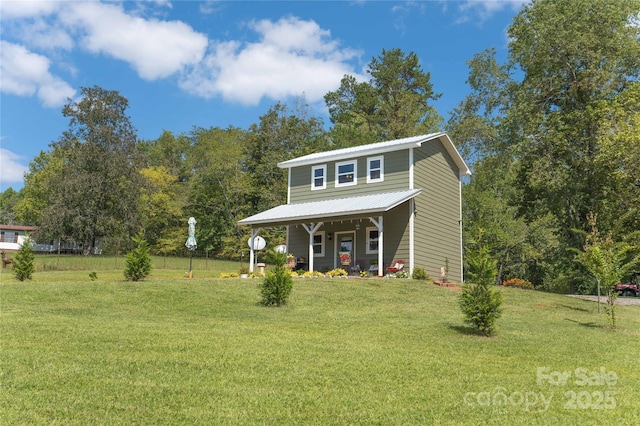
(396, 239)
(437, 226)
(396, 177)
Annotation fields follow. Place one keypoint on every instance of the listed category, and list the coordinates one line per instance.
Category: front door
(345, 250)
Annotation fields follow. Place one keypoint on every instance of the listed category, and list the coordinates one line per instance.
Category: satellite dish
(258, 243)
(281, 249)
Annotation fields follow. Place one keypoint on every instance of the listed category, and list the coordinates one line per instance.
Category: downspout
(289, 185)
(412, 206)
(412, 248)
(460, 232)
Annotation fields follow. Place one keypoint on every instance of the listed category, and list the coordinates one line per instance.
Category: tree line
(552, 135)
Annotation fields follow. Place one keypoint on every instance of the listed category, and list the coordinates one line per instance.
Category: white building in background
(13, 236)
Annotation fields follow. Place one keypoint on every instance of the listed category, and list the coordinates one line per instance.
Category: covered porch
(368, 231)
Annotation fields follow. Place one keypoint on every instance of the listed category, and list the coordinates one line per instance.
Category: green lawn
(172, 350)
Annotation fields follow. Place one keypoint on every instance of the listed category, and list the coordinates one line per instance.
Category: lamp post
(191, 243)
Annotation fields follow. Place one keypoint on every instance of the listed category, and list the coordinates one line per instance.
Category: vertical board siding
(437, 226)
(396, 178)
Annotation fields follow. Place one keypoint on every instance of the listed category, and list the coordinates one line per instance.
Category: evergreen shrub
(24, 262)
(138, 263)
(277, 285)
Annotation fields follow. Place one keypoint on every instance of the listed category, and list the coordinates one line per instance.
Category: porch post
(311, 229)
(378, 224)
(254, 233)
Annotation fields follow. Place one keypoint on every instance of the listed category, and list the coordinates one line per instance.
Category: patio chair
(357, 266)
(396, 266)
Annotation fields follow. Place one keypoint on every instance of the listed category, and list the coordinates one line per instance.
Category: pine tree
(24, 262)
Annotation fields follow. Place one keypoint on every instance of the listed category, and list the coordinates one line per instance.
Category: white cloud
(12, 9)
(11, 171)
(208, 7)
(25, 73)
(479, 11)
(155, 49)
(291, 57)
(404, 10)
(44, 35)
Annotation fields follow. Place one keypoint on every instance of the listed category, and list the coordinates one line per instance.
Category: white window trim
(324, 177)
(368, 240)
(355, 173)
(369, 160)
(322, 244)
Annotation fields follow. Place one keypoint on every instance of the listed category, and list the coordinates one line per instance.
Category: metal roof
(379, 148)
(338, 207)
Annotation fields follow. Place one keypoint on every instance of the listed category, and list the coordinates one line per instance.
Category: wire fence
(77, 262)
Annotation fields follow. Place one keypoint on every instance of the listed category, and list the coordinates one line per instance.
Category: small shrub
(364, 274)
(313, 274)
(138, 263)
(399, 274)
(479, 302)
(276, 286)
(518, 283)
(481, 306)
(420, 273)
(93, 275)
(24, 262)
(339, 272)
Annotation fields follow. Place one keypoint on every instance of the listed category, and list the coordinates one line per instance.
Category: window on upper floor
(318, 244)
(372, 240)
(375, 169)
(346, 173)
(319, 177)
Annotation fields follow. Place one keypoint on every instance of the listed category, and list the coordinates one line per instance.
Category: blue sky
(217, 63)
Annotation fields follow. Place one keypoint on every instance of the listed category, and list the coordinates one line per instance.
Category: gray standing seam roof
(337, 207)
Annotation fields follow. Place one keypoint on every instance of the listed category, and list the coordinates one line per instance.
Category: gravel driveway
(619, 301)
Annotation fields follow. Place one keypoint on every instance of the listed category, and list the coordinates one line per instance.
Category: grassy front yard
(345, 351)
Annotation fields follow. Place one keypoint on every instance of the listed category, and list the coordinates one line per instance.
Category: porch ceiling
(327, 209)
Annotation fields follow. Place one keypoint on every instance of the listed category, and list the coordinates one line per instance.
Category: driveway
(619, 301)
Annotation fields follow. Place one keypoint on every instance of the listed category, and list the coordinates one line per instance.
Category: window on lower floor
(318, 244)
(372, 240)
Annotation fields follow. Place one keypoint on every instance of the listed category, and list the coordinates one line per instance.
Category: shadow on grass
(463, 329)
(575, 308)
(585, 324)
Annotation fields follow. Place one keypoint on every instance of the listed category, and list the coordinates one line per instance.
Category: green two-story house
(369, 206)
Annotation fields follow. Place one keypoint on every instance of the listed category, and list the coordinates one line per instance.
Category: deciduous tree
(95, 192)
